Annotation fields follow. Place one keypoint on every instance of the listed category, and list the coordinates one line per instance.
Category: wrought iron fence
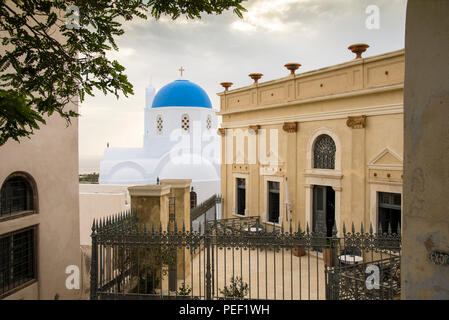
(239, 259)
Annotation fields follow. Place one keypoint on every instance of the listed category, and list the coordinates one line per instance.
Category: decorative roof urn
(226, 85)
(292, 67)
(255, 77)
(358, 49)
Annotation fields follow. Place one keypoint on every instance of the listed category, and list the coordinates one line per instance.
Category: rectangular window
(241, 196)
(389, 212)
(17, 259)
(273, 201)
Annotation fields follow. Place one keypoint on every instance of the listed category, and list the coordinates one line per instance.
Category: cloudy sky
(315, 33)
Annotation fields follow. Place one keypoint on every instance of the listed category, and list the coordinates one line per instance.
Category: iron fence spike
(370, 228)
(352, 227)
(307, 228)
(389, 228)
(361, 227)
(344, 228)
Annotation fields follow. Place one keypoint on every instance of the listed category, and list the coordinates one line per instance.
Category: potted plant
(298, 251)
(329, 253)
(236, 290)
(184, 291)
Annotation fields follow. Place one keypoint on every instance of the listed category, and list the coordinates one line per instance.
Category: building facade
(317, 148)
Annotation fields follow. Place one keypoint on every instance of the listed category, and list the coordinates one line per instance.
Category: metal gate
(239, 258)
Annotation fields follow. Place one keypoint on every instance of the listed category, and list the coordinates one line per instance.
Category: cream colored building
(319, 147)
(39, 213)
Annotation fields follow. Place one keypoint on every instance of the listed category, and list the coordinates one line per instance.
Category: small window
(389, 212)
(16, 195)
(185, 123)
(324, 152)
(159, 124)
(273, 201)
(17, 259)
(209, 122)
(241, 196)
(193, 199)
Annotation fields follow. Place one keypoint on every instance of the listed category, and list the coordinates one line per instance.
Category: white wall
(98, 201)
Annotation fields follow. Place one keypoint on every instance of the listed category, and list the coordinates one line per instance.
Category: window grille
(185, 123)
(16, 196)
(17, 259)
(324, 152)
(208, 122)
(160, 124)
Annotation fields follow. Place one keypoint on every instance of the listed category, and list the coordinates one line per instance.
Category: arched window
(185, 123)
(324, 152)
(17, 195)
(159, 124)
(193, 199)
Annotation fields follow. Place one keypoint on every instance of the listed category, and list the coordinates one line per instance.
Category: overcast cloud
(315, 33)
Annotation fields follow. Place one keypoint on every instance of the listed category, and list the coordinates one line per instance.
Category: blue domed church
(180, 142)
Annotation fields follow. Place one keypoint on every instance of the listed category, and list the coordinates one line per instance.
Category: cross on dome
(181, 70)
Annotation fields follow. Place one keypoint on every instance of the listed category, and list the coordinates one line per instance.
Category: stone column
(291, 128)
(151, 204)
(180, 189)
(358, 164)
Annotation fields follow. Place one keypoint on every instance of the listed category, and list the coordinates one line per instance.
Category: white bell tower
(150, 92)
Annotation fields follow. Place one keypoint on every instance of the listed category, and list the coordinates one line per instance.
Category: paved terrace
(302, 278)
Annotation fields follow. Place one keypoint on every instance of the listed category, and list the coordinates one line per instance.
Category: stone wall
(426, 149)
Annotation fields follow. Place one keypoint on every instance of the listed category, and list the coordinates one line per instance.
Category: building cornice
(149, 190)
(327, 115)
(176, 183)
(344, 95)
